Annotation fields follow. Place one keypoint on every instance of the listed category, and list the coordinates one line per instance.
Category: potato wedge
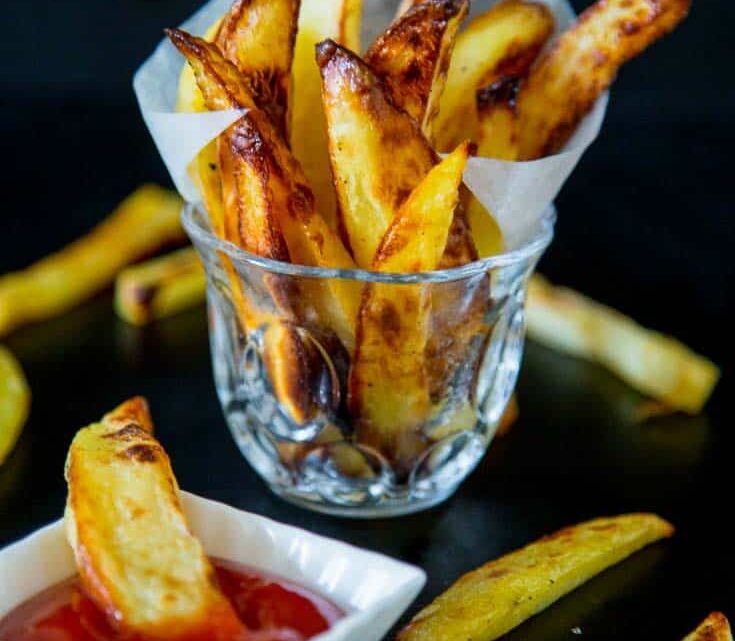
(412, 56)
(503, 41)
(136, 556)
(258, 36)
(15, 402)
(493, 599)
(715, 627)
(144, 222)
(497, 133)
(564, 84)
(388, 390)
(656, 365)
(269, 209)
(160, 287)
(318, 20)
(365, 129)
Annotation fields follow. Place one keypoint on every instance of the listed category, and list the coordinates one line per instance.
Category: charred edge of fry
(134, 411)
(413, 52)
(501, 93)
(232, 90)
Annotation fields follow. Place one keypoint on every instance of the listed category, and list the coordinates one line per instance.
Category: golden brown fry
(160, 287)
(144, 222)
(412, 56)
(656, 365)
(15, 402)
(257, 36)
(135, 554)
(365, 130)
(204, 169)
(566, 81)
(715, 627)
(269, 210)
(388, 383)
(493, 599)
(497, 133)
(318, 20)
(503, 41)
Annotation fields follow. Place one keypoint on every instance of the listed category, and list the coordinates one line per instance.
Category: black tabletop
(645, 224)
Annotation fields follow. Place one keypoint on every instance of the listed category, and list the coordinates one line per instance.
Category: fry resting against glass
(657, 365)
(715, 627)
(144, 222)
(493, 599)
(15, 402)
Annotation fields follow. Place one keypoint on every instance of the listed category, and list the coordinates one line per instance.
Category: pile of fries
(336, 165)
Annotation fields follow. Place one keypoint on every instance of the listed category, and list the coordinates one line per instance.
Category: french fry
(258, 36)
(412, 56)
(656, 365)
(135, 554)
(493, 599)
(501, 42)
(318, 20)
(160, 287)
(388, 385)
(564, 84)
(15, 402)
(365, 129)
(144, 222)
(269, 210)
(204, 169)
(497, 134)
(715, 627)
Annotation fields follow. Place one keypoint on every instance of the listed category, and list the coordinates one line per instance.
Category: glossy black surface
(646, 224)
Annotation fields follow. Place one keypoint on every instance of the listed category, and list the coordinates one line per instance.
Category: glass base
(386, 508)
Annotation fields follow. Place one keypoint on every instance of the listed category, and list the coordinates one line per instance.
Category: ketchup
(273, 609)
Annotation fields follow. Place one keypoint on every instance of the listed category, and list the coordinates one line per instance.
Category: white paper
(372, 588)
(517, 193)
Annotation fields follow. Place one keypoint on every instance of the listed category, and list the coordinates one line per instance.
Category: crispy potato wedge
(388, 390)
(258, 36)
(412, 56)
(15, 402)
(497, 133)
(503, 41)
(136, 556)
(318, 20)
(715, 627)
(365, 129)
(486, 233)
(269, 209)
(564, 84)
(493, 599)
(160, 287)
(144, 222)
(656, 365)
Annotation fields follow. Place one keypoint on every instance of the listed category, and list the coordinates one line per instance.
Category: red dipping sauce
(273, 609)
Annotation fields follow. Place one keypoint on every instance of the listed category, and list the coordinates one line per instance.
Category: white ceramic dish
(372, 588)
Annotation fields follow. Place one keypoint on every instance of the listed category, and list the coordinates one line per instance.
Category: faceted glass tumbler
(381, 416)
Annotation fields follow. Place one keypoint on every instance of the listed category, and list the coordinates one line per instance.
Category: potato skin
(258, 37)
(412, 56)
(565, 83)
(715, 627)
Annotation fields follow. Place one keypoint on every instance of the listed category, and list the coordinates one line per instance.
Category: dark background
(645, 224)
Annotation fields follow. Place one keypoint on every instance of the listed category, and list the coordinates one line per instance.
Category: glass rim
(534, 246)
